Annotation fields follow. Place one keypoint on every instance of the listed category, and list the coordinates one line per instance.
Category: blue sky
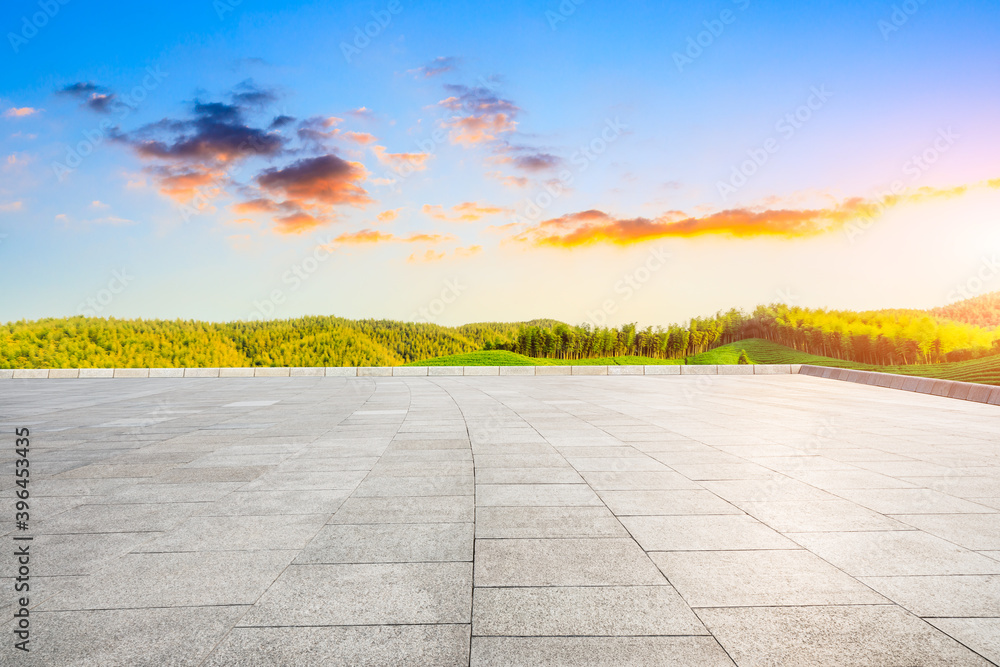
(542, 160)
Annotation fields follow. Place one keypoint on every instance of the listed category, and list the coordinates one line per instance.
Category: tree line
(875, 337)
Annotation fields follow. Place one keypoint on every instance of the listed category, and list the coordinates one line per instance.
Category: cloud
(509, 181)
(326, 179)
(399, 161)
(479, 115)
(217, 134)
(435, 256)
(389, 216)
(319, 130)
(594, 226)
(469, 211)
(362, 138)
(183, 183)
(98, 204)
(92, 96)
(363, 113)
(10, 207)
(249, 94)
(280, 121)
(22, 112)
(296, 223)
(373, 236)
(439, 65)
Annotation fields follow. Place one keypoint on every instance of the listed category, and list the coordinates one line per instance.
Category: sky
(456, 162)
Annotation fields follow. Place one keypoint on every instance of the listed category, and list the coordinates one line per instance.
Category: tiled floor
(779, 520)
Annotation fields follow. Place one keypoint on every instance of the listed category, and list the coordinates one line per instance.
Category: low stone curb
(392, 371)
(965, 391)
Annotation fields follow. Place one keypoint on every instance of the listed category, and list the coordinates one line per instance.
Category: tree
(744, 359)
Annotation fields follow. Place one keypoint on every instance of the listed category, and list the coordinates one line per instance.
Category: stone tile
(912, 501)
(895, 553)
(942, 596)
(175, 580)
(617, 464)
(169, 493)
(597, 652)
(451, 485)
(767, 489)
(759, 579)
(703, 533)
(366, 594)
(239, 533)
(564, 562)
(127, 636)
(302, 481)
(852, 636)
(217, 474)
(67, 555)
(634, 481)
(265, 503)
(830, 480)
(345, 646)
(982, 635)
(428, 509)
(812, 516)
(669, 502)
(129, 518)
(979, 532)
(515, 522)
(390, 543)
(520, 495)
(528, 476)
(572, 611)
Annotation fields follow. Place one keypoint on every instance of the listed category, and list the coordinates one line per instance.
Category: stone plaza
(649, 520)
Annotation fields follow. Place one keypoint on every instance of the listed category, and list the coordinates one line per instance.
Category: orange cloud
(297, 222)
(362, 138)
(398, 161)
(509, 181)
(371, 236)
(320, 180)
(469, 211)
(389, 216)
(182, 184)
(480, 115)
(594, 226)
(434, 256)
(22, 112)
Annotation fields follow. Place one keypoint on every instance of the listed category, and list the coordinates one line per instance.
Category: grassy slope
(985, 371)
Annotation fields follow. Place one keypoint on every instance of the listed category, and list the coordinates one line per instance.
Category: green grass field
(984, 371)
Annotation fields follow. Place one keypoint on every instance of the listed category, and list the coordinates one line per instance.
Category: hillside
(981, 311)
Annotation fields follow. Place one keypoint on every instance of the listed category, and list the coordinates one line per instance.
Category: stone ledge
(517, 370)
(707, 369)
(480, 370)
(963, 391)
(663, 369)
(590, 370)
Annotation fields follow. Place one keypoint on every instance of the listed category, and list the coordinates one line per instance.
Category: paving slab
(851, 636)
(585, 520)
